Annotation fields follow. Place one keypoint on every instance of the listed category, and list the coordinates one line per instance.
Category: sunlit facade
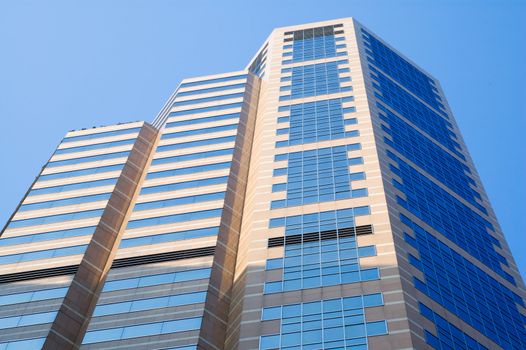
(321, 198)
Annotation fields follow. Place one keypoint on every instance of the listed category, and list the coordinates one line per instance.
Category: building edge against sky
(321, 198)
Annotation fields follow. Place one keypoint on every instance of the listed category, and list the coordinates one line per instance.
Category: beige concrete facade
(181, 214)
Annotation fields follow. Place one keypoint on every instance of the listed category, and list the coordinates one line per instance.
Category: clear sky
(70, 64)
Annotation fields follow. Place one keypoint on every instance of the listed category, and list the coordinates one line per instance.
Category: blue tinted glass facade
(415, 126)
(321, 251)
(313, 44)
(467, 291)
(447, 335)
(417, 148)
(416, 112)
(314, 80)
(315, 121)
(326, 324)
(402, 71)
(446, 214)
(319, 175)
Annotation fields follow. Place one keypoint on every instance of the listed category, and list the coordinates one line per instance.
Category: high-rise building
(322, 198)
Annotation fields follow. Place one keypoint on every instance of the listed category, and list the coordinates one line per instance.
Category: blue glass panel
(448, 336)
(184, 185)
(213, 89)
(209, 141)
(71, 187)
(401, 70)
(169, 219)
(101, 134)
(318, 175)
(448, 215)
(315, 121)
(202, 120)
(169, 237)
(87, 159)
(213, 81)
(206, 109)
(325, 324)
(95, 146)
(430, 157)
(180, 201)
(80, 172)
(314, 80)
(207, 99)
(467, 291)
(191, 156)
(189, 170)
(416, 112)
(43, 220)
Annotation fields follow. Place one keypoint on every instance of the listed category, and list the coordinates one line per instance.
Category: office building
(321, 198)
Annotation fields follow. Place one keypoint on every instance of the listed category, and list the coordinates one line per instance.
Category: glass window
(101, 134)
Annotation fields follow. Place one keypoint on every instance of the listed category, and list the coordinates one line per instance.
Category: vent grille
(317, 236)
(117, 263)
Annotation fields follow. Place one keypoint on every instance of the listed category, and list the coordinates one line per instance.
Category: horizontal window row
(318, 222)
(320, 308)
(466, 290)
(156, 279)
(345, 275)
(352, 337)
(185, 185)
(201, 131)
(142, 330)
(401, 70)
(175, 218)
(316, 136)
(71, 187)
(416, 112)
(192, 156)
(149, 304)
(448, 336)
(94, 147)
(101, 134)
(448, 215)
(169, 237)
(205, 142)
(430, 157)
(325, 324)
(207, 99)
(212, 89)
(315, 121)
(299, 155)
(110, 286)
(360, 252)
(33, 296)
(180, 201)
(353, 176)
(42, 254)
(206, 109)
(79, 160)
(55, 218)
(81, 172)
(26, 344)
(189, 170)
(65, 202)
(213, 81)
(27, 320)
(50, 219)
(47, 236)
(321, 262)
(319, 195)
(314, 80)
(194, 121)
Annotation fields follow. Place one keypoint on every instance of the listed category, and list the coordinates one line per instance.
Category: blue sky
(69, 64)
